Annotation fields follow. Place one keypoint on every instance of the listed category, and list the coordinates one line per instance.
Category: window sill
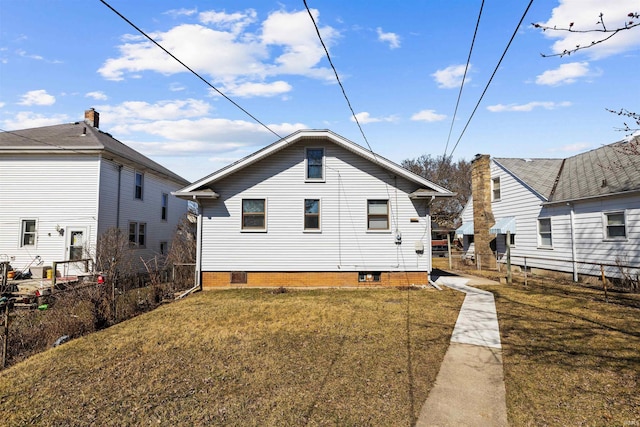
(616, 239)
(379, 231)
(262, 230)
(312, 231)
(314, 180)
(545, 248)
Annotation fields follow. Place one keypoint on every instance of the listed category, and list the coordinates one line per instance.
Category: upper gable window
(314, 160)
(139, 183)
(495, 189)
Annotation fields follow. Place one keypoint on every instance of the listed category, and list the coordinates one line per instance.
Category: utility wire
(466, 68)
(492, 75)
(190, 69)
(344, 93)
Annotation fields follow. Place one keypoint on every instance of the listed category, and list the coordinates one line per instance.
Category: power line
(190, 69)
(492, 75)
(344, 93)
(466, 68)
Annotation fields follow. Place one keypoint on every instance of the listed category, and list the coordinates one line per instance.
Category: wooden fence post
(604, 283)
(525, 271)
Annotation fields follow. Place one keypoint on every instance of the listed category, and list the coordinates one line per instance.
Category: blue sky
(401, 65)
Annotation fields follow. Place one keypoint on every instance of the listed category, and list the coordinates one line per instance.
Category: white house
(62, 186)
(313, 209)
(571, 215)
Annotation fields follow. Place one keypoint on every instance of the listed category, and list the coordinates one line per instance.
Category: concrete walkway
(469, 388)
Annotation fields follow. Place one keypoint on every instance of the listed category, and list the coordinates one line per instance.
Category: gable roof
(78, 137)
(608, 170)
(429, 187)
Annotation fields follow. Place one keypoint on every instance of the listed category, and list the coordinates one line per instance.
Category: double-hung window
(139, 185)
(544, 233)
(165, 206)
(254, 214)
(615, 225)
(495, 189)
(314, 164)
(312, 214)
(377, 214)
(28, 233)
(137, 234)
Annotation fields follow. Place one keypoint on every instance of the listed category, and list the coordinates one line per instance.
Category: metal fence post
(525, 271)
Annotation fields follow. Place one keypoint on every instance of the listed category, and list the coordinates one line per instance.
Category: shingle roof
(80, 137)
(610, 169)
(539, 174)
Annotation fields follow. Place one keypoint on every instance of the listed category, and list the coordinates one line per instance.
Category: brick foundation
(214, 279)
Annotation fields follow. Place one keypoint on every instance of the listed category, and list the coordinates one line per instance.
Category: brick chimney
(92, 117)
(483, 218)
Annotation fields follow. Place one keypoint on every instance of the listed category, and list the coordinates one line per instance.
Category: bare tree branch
(603, 30)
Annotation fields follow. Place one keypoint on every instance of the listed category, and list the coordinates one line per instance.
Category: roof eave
(589, 198)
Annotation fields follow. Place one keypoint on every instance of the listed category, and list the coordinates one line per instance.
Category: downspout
(430, 252)
(573, 242)
(118, 198)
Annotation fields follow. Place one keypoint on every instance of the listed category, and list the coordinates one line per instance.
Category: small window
(377, 214)
(312, 214)
(164, 246)
(28, 233)
(315, 164)
(512, 241)
(137, 234)
(254, 214)
(369, 276)
(165, 206)
(615, 225)
(544, 232)
(495, 189)
(238, 277)
(138, 192)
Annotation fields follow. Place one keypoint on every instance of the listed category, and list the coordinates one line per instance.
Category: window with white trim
(312, 214)
(137, 234)
(545, 238)
(615, 225)
(377, 214)
(495, 189)
(28, 232)
(314, 164)
(139, 185)
(254, 214)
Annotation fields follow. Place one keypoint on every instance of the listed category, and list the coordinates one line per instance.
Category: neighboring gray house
(313, 209)
(62, 186)
(569, 214)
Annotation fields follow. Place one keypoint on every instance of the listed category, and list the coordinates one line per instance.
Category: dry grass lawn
(245, 358)
(569, 357)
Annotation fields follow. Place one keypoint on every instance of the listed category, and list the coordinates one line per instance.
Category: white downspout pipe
(573, 242)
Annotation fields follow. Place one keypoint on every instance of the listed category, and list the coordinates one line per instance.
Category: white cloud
(37, 97)
(28, 119)
(451, 76)
(564, 74)
(428, 116)
(364, 118)
(98, 95)
(547, 105)
(181, 12)
(2, 104)
(245, 90)
(124, 115)
(572, 148)
(392, 38)
(231, 48)
(584, 14)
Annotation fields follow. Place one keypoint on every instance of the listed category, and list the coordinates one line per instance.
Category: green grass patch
(570, 358)
(245, 358)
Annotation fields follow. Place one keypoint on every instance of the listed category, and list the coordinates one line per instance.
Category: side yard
(246, 357)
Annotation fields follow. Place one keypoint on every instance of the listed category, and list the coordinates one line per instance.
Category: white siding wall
(147, 210)
(343, 244)
(57, 191)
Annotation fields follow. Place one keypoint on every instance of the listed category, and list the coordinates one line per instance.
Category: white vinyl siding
(344, 242)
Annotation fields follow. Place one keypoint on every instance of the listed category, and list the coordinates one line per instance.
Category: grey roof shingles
(80, 137)
(610, 169)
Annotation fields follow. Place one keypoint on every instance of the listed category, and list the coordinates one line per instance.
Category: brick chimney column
(482, 213)
(92, 117)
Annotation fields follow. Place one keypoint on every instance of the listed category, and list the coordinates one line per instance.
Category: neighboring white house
(62, 186)
(569, 215)
(313, 209)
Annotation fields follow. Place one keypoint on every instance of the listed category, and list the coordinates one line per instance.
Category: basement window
(238, 277)
(369, 276)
